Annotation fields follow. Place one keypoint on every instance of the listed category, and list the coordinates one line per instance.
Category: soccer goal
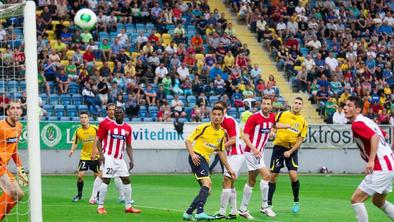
(19, 81)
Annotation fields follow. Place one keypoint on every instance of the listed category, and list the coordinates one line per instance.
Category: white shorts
(235, 162)
(114, 168)
(378, 182)
(254, 163)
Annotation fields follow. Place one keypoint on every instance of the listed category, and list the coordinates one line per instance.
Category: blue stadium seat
(213, 100)
(188, 111)
(12, 86)
(22, 85)
(49, 109)
(73, 88)
(72, 110)
(65, 118)
(147, 119)
(83, 108)
(53, 99)
(153, 111)
(53, 118)
(232, 112)
(44, 98)
(60, 110)
(150, 26)
(204, 120)
(77, 99)
(75, 118)
(241, 110)
(142, 112)
(65, 99)
(169, 98)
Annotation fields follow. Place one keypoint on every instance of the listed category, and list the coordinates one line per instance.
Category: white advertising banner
(164, 136)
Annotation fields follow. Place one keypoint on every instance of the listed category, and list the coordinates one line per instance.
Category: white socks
(361, 212)
(96, 188)
(388, 209)
(264, 193)
(233, 201)
(119, 187)
(224, 199)
(246, 197)
(127, 195)
(103, 193)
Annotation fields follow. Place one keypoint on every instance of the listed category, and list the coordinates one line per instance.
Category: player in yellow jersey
(201, 143)
(86, 134)
(286, 145)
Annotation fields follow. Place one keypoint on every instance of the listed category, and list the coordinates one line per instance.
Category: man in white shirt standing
(160, 72)
(339, 116)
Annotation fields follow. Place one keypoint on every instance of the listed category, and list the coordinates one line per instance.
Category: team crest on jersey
(12, 140)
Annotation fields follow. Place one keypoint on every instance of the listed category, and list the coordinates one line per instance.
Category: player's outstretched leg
(358, 205)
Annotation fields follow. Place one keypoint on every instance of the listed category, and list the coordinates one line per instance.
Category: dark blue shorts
(201, 171)
(278, 159)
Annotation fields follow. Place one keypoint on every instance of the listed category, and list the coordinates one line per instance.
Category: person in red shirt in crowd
(197, 42)
(190, 60)
(241, 60)
(153, 38)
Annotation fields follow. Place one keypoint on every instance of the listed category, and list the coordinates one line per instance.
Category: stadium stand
(329, 49)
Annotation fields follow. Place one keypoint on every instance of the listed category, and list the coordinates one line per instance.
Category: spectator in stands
(150, 95)
(119, 101)
(102, 90)
(301, 80)
(339, 115)
(93, 102)
(177, 106)
(63, 81)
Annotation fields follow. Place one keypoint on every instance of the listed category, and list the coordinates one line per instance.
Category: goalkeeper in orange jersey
(10, 131)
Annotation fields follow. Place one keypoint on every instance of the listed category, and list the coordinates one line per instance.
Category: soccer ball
(85, 19)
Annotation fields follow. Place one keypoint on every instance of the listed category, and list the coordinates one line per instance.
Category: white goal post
(33, 119)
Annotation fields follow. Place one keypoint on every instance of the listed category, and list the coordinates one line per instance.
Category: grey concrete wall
(173, 161)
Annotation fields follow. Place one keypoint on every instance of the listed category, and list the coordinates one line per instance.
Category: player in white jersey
(380, 162)
(114, 137)
(235, 158)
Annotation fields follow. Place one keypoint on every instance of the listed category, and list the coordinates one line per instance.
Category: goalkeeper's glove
(23, 180)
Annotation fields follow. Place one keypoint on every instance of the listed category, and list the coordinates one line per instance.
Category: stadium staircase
(261, 57)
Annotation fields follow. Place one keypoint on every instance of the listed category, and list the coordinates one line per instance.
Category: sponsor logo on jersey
(118, 137)
(12, 140)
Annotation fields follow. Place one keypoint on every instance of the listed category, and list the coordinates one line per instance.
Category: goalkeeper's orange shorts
(4, 170)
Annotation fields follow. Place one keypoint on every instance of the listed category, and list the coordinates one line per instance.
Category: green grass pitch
(165, 197)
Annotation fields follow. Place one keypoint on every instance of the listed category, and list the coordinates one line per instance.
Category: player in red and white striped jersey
(113, 138)
(235, 159)
(258, 129)
(380, 161)
(118, 182)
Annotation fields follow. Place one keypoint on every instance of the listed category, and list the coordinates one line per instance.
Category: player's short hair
(299, 98)
(358, 102)
(10, 102)
(218, 108)
(221, 103)
(268, 98)
(109, 105)
(84, 113)
(120, 107)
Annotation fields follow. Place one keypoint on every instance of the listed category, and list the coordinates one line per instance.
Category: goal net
(19, 82)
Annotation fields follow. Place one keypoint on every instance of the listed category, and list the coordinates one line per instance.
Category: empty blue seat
(153, 111)
(53, 99)
(73, 88)
(72, 110)
(83, 108)
(65, 99)
(60, 110)
(12, 86)
(53, 118)
(213, 100)
(65, 118)
(77, 99)
(44, 98)
(147, 119)
(142, 112)
(49, 109)
(75, 118)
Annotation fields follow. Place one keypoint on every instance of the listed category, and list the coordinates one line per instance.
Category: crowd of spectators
(330, 50)
(179, 57)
